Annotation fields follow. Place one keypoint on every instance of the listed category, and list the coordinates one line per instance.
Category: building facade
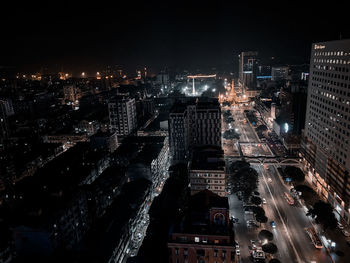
(207, 171)
(248, 68)
(325, 144)
(193, 124)
(204, 235)
(122, 115)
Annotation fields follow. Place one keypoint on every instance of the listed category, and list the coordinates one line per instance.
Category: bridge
(270, 160)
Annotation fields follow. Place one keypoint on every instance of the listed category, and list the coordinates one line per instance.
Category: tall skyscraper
(122, 115)
(248, 67)
(194, 124)
(326, 136)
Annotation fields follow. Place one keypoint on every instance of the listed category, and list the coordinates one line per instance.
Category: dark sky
(182, 34)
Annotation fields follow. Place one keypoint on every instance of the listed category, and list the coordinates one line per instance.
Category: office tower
(122, 115)
(196, 123)
(292, 112)
(248, 67)
(326, 136)
(204, 234)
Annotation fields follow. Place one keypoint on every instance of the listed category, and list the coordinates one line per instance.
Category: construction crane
(193, 77)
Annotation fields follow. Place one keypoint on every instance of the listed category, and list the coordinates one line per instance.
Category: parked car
(263, 201)
(345, 233)
(237, 245)
(238, 252)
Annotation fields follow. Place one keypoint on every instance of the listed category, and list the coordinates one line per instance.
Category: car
(340, 226)
(263, 201)
(269, 180)
(345, 233)
(238, 252)
(273, 224)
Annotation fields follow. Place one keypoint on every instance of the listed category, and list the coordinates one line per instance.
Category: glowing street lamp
(83, 74)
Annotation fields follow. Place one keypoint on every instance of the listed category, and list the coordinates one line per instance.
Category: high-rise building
(196, 123)
(327, 127)
(248, 68)
(122, 115)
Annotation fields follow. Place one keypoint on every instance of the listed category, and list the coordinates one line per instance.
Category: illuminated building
(248, 69)
(327, 127)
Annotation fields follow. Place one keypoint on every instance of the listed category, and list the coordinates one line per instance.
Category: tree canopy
(265, 234)
(270, 248)
(256, 200)
(308, 194)
(323, 214)
(295, 174)
(243, 178)
(231, 134)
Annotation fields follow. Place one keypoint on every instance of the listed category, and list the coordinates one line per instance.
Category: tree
(256, 200)
(307, 194)
(265, 234)
(295, 174)
(257, 210)
(270, 248)
(323, 214)
(261, 218)
(243, 178)
(231, 134)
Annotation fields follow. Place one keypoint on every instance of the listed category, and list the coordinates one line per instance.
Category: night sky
(176, 34)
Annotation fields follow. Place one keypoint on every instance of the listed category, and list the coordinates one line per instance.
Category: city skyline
(180, 132)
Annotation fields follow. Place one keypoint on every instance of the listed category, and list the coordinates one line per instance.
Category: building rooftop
(197, 221)
(208, 158)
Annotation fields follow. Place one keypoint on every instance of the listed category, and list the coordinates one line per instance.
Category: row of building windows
(331, 53)
(332, 61)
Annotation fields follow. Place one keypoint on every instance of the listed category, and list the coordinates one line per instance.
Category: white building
(325, 144)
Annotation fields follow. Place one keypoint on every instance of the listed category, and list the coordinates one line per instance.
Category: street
(294, 245)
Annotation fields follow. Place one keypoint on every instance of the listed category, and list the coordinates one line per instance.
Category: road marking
(283, 223)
